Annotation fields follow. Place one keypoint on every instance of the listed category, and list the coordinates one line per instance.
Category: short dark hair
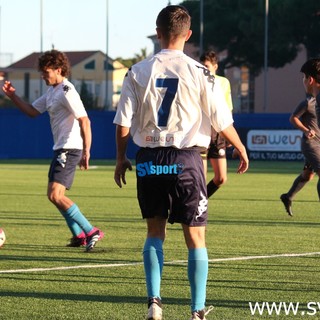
(174, 21)
(54, 59)
(311, 68)
(209, 56)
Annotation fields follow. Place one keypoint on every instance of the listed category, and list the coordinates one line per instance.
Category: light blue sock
(153, 264)
(73, 226)
(79, 220)
(197, 275)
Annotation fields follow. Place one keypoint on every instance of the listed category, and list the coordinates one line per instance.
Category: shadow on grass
(75, 297)
(289, 223)
(116, 299)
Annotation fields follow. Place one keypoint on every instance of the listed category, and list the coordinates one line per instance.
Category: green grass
(246, 218)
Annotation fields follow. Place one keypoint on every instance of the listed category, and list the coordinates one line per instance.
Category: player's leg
(220, 169)
(154, 204)
(205, 162)
(318, 185)
(197, 265)
(56, 195)
(314, 160)
(189, 207)
(305, 176)
(82, 230)
(301, 180)
(217, 157)
(153, 263)
(76, 221)
(219, 166)
(61, 176)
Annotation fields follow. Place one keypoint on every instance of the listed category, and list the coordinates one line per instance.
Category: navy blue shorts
(63, 166)
(171, 184)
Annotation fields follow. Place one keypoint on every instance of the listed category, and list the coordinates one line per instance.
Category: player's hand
(244, 161)
(8, 89)
(310, 134)
(120, 171)
(84, 161)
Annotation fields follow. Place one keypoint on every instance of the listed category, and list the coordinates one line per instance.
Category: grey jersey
(306, 112)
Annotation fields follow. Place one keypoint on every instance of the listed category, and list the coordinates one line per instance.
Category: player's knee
(307, 176)
(53, 197)
(195, 238)
(219, 181)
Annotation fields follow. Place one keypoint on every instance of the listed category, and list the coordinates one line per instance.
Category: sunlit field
(257, 252)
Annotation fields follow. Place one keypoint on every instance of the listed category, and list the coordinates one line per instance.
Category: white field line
(112, 265)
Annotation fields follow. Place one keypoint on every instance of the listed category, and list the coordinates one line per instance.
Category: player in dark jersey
(311, 83)
(304, 118)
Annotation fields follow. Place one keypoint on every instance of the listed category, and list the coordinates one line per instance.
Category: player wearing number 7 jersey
(168, 105)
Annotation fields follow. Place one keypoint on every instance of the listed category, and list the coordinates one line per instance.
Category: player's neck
(173, 45)
(59, 80)
(315, 91)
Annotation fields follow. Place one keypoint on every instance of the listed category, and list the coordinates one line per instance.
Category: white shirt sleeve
(216, 107)
(40, 104)
(127, 103)
(75, 104)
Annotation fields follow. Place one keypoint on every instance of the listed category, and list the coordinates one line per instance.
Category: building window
(90, 65)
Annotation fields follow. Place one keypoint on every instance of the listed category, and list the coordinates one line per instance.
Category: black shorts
(217, 148)
(307, 166)
(63, 166)
(311, 152)
(171, 184)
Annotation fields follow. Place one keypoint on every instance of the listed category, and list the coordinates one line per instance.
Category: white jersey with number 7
(170, 100)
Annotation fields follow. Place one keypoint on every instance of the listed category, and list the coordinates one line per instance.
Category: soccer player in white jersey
(168, 105)
(71, 131)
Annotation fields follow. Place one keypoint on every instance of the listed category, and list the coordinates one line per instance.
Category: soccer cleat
(77, 242)
(287, 203)
(93, 238)
(201, 315)
(154, 309)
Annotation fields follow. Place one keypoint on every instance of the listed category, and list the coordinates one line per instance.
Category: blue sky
(74, 25)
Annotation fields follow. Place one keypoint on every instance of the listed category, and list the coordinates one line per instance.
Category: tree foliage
(238, 26)
(86, 96)
(137, 57)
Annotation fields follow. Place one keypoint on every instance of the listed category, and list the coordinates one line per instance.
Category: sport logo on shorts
(62, 158)
(148, 168)
(203, 205)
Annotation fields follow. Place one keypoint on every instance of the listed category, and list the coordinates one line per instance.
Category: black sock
(211, 188)
(297, 185)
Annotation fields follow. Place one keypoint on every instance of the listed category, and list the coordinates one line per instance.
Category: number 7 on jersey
(172, 86)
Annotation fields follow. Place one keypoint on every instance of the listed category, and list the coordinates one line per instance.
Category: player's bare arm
(85, 128)
(123, 163)
(309, 133)
(25, 107)
(232, 136)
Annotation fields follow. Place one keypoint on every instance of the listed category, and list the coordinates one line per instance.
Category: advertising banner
(276, 145)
